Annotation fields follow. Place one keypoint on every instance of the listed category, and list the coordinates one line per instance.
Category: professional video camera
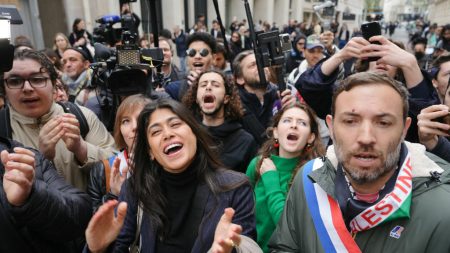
(105, 32)
(122, 71)
(126, 69)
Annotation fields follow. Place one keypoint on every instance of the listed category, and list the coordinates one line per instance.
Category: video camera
(105, 32)
(126, 69)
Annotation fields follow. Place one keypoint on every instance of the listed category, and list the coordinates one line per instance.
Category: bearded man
(373, 192)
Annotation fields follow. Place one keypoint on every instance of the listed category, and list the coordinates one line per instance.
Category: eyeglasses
(18, 83)
(192, 52)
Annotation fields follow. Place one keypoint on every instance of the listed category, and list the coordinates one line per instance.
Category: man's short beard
(256, 84)
(214, 112)
(362, 177)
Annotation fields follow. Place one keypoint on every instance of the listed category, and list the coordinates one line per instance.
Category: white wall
(173, 13)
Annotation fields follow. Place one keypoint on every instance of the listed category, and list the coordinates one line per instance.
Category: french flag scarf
(328, 219)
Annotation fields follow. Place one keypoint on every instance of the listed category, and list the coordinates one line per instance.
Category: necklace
(368, 198)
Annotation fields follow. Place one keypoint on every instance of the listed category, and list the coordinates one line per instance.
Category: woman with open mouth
(293, 140)
(177, 193)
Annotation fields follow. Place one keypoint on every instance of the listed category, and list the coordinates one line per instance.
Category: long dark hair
(75, 24)
(145, 183)
(315, 150)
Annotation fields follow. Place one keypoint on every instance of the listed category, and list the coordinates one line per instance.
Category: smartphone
(369, 30)
(444, 119)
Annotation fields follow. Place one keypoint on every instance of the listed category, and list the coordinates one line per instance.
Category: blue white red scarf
(328, 219)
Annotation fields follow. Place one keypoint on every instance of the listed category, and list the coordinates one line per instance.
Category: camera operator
(130, 21)
(170, 71)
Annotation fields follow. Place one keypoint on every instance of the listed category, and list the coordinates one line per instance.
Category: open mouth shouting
(199, 66)
(292, 137)
(208, 102)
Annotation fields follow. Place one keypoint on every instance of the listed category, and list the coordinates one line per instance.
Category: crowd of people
(353, 156)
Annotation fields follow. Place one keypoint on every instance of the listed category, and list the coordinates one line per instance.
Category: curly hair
(42, 59)
(315, 150)
(202, 36)
(233, 110)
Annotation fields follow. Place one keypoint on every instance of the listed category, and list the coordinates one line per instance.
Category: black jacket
(257, 116)
(97, 185)
(54, 214)
(236, 146)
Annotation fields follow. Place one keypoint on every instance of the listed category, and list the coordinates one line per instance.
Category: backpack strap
(107, 174)
(70, 107)
(5, 123)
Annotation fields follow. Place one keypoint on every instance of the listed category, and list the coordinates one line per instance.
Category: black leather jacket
(97, 186)
(54, 214)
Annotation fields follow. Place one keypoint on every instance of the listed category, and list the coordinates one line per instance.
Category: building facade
(44, 18)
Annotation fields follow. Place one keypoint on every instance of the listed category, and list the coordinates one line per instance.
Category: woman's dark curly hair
(315, 150)
(233, 109)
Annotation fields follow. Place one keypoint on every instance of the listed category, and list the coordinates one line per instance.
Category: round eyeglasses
(192, 52)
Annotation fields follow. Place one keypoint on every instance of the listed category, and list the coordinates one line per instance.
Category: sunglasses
(192, 52)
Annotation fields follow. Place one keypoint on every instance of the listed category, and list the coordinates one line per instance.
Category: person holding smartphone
(434, 124)
(317, 84)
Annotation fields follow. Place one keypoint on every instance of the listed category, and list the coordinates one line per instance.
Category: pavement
(400, 34)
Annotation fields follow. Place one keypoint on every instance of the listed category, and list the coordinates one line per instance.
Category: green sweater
(270, 194)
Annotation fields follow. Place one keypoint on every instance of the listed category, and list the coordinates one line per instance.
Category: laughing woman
(294, 140)
(180, 186)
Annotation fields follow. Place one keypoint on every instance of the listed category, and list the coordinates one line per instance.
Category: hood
(294, 42)
(224, 130)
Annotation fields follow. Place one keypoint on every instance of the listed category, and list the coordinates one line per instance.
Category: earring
(308, 146)
(276, 144)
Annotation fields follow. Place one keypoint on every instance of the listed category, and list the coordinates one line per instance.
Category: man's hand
(193, 76)
(104, 227)
(116, 178)
(227, 234)
(49, 135)
(353, 49)
(72, 138)
(19, 175)
(388, 52)
(393, 55)
(287, 98)
(429, 129)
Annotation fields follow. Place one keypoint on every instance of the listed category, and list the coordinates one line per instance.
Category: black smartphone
(369, 30)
